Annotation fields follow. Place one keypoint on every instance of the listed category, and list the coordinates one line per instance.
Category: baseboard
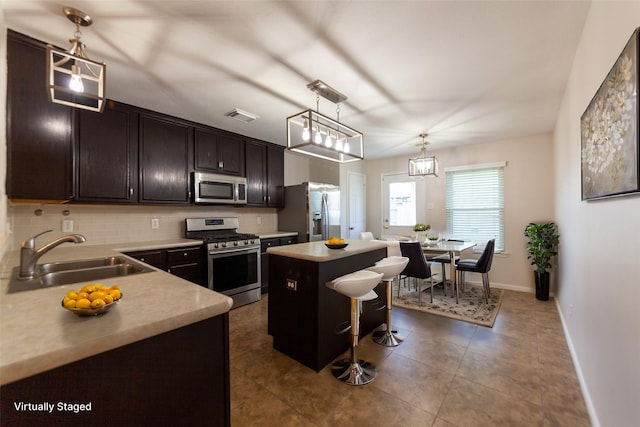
(583, 385)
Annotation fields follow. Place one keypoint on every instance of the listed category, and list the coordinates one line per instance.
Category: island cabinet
(308, 321)
(217, 151)
(166, 149)
(179, 378)
(107, 153)
(265, 244)
(39, 132)
(265, 174)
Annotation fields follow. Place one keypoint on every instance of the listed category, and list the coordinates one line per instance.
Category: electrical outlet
(67, 225)
(292, 285)
(155, 223)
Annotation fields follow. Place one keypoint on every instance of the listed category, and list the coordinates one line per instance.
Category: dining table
(451, 247)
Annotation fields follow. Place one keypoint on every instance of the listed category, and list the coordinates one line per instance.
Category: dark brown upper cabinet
(107, 155)
(165, 150)
(39, 132)
(265, 174)
(219, 152)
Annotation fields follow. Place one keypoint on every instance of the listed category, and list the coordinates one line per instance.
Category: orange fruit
(96, 295)
(115, 294)
(108, 299)
(82, 295)
(88, 288)
(83, 303)
(97, 303)
(70, 303)
(72, 294)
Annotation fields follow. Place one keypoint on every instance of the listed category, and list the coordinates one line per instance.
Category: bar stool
(358, 287)
(390, 268)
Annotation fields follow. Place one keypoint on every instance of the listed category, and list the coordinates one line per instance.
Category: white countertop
(37, 334)
(318, 252)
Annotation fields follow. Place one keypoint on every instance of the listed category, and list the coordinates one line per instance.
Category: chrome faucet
(29, 255)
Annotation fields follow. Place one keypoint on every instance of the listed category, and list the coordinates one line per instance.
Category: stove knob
(215, 245)
(246, 242)
(224, 244)
(252, 241)
(235, 243)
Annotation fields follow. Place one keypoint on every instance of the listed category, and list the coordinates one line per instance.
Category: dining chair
(417, 268)
(481, 265)
(444, 260)
(366, 235)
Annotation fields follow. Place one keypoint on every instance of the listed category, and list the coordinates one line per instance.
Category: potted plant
(543, 241)
(421, 230)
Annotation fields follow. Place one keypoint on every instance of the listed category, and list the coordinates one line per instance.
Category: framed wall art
(609, 131)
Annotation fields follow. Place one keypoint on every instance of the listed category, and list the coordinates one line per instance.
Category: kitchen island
(308, 321)
(161, 356)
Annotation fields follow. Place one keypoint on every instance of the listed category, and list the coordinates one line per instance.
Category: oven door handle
(229, 251)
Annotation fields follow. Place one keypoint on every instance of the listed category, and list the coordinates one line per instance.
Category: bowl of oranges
(335, 243)
(91, 299)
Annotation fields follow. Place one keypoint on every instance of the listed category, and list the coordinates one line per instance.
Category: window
(475, 203)
(402, 203)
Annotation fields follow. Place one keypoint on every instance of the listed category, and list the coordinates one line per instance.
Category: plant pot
(542, 286)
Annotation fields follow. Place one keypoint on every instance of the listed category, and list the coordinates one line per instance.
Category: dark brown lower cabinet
(178, 378)
(185, 262)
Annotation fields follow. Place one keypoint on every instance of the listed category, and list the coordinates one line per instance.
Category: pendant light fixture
(314, 134)
(72, 78)
(423, 165)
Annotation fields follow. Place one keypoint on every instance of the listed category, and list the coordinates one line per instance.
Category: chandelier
(74, 79)
(423, 165)
(314, 134)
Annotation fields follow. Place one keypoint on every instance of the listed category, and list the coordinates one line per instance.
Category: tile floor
(445, 373)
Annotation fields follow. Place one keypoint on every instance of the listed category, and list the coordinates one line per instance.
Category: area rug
(471, 307)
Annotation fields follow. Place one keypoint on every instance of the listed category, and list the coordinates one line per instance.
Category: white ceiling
(462, 71)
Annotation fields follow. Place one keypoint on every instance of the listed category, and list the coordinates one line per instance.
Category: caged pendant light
(423, 165)
(72, 78)
(317, 135)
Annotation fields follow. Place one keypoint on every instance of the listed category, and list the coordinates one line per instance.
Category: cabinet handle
(185, 254)
(221, 165)
(131, 191)
(142, 259)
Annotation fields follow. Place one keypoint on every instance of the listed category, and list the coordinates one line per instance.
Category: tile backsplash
(107, 224)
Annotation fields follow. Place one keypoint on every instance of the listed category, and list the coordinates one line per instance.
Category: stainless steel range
(233, 258)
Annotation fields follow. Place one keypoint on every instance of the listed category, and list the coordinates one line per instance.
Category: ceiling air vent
(242, 116)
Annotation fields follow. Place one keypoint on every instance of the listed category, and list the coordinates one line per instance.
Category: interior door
(399, 204)
(356, 205)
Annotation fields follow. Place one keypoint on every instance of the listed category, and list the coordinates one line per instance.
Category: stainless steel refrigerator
(312, 209)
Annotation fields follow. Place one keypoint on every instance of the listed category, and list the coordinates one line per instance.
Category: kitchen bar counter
(273, 234)
(37, 334)
(306, 319)
(318, 252)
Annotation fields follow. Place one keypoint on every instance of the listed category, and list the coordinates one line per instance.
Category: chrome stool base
(354, 373)
(386, 338)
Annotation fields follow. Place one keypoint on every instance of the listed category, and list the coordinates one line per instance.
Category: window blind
(475, 204)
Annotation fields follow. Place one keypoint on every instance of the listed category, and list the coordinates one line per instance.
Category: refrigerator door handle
(325, 217)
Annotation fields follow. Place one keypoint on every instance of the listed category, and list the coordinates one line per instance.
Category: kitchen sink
(64, 273)
(81, 264)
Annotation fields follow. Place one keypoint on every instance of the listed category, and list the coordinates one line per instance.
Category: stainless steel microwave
(219, 189)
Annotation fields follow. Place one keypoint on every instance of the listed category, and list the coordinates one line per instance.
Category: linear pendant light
(317, 135)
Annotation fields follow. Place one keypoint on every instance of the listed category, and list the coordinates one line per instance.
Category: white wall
(528, 197)
(599, 279)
